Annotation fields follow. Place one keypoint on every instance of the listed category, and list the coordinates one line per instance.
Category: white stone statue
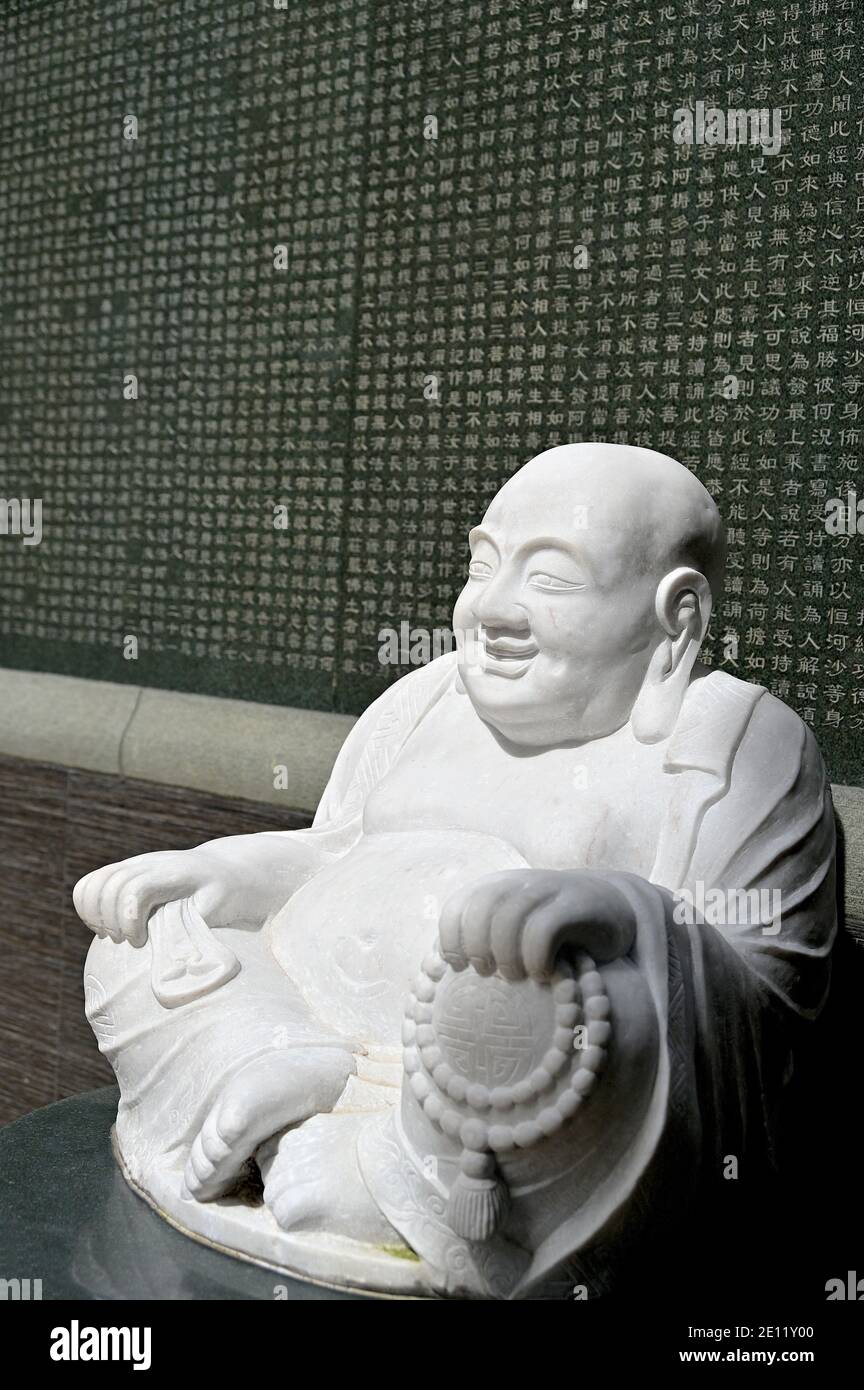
(532, 975)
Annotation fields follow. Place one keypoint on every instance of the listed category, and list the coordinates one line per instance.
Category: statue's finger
(103, 909)
(79, 899)
(133, 893)
(541, 938)
(101, 891)
(508, 923)
(135, 903)
(476, 923)
(111, 903)
(87, 894)
(450, 930)
(133, 909)
(143, 894)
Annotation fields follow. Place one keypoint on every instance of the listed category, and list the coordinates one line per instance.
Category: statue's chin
(526, 725)
(517, 736)
(538, 736)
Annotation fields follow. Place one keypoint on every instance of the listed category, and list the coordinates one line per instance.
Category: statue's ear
(683, 608)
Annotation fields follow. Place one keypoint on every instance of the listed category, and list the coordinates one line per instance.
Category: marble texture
(468, 1028)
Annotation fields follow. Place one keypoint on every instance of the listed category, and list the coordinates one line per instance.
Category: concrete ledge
(234, 747)
(229, 747)
(61, 719)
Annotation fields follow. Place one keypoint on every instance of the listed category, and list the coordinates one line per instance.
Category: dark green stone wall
(408, 258)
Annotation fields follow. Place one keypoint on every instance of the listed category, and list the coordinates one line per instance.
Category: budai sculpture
(477, 1029)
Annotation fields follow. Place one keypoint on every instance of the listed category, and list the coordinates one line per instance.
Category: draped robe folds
(749, 809)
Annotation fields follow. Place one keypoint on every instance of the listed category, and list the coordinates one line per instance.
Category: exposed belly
(353, 937)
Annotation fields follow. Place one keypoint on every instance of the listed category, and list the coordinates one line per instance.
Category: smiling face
(556, 624)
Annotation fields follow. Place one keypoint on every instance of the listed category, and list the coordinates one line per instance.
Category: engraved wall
(268, 350)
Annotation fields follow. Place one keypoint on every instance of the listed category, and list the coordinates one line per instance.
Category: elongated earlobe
(683, 609)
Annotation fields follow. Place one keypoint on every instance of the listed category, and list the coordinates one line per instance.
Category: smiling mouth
(507, 656)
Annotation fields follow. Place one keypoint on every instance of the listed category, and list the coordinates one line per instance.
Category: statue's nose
(498, 607)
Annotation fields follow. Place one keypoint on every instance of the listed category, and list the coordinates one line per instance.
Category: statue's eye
(479, 569)
(551, 583)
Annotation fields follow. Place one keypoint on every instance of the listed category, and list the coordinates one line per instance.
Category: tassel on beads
(478, 1198)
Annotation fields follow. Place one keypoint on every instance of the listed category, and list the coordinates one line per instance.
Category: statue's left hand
(518, 921)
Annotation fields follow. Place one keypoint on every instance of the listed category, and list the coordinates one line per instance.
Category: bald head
(653, 513)
(589, 592)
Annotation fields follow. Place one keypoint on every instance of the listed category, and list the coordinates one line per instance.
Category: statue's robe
(750, 809)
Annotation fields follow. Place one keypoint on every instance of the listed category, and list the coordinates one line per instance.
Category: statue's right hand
(118, 900)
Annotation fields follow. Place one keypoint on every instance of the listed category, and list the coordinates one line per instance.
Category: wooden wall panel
(55, 825)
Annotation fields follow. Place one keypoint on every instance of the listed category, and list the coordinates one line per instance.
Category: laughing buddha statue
(469, 1031)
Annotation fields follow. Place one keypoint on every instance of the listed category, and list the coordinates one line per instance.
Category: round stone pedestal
(69, 1219)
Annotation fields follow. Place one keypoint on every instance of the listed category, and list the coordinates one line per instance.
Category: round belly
(353, 937)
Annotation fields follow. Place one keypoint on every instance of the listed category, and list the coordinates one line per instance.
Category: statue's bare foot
(312, 1181)
(267, 1095)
